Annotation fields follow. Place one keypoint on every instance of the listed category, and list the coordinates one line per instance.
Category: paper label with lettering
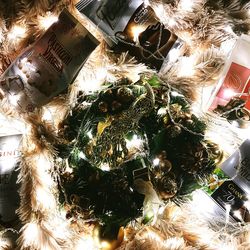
(48, 66)
(9, 164)
(134, 27)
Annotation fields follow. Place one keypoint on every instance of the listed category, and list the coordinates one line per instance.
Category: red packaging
(235, 81)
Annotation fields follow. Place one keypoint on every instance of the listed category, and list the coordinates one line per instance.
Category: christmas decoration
(120, 159)
(107, 177)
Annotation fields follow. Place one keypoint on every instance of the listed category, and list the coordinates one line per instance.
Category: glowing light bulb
(174, 54)
(136, 31)
(46, 21)
(82, 155)
(105, 167)
(171, 22)
(156, 161)
(86, 243)
(30, 233)
(17, 31)
(13, 99)
(47, 115)
(186, 67)
(186, 5)
(229, 29)
(105, 245)
(228, 94)
(89, 134)
(136, 142)
(162, 111)
(174, 93)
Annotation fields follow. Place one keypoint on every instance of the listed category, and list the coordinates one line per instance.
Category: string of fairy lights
(41, 163)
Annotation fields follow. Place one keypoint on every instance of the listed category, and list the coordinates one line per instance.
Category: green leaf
(154, 81)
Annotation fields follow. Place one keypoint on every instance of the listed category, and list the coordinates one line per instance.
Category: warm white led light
(136, 31)
(186, 67)
(82, 155)
(136, 142)
(156, 161)
(228, 93)
(186, 5)
(105, 167)
(46, 21)
(13, 99)
(86, 243)
(174, 54)
(30, 234)
(17, 31)
(90, 135)
(47, 115)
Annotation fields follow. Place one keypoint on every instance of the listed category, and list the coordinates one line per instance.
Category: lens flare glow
(16, 32)
(46, 21)
(136, 31)
(186, 5)
(228, 93)
(186, 67)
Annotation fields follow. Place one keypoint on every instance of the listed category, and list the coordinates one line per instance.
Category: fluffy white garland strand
(198, 25)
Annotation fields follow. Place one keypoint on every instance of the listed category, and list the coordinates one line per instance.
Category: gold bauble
(107, 244)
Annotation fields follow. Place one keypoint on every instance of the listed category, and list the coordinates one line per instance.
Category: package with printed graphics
(9, 164)
(229, 187)
(231, 96)
(48, 66)
(130, 25)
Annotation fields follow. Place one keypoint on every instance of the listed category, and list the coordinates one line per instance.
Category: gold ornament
(125, 95)
(103, 107)
(107, 244)
(214, 152)
(115, 106)
(166, 119)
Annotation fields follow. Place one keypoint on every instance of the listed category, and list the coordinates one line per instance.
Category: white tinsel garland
(205, 26)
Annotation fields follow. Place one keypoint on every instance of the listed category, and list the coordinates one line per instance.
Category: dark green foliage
(110, 196)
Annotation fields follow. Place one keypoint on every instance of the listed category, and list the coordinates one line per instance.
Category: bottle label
(9, 164)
